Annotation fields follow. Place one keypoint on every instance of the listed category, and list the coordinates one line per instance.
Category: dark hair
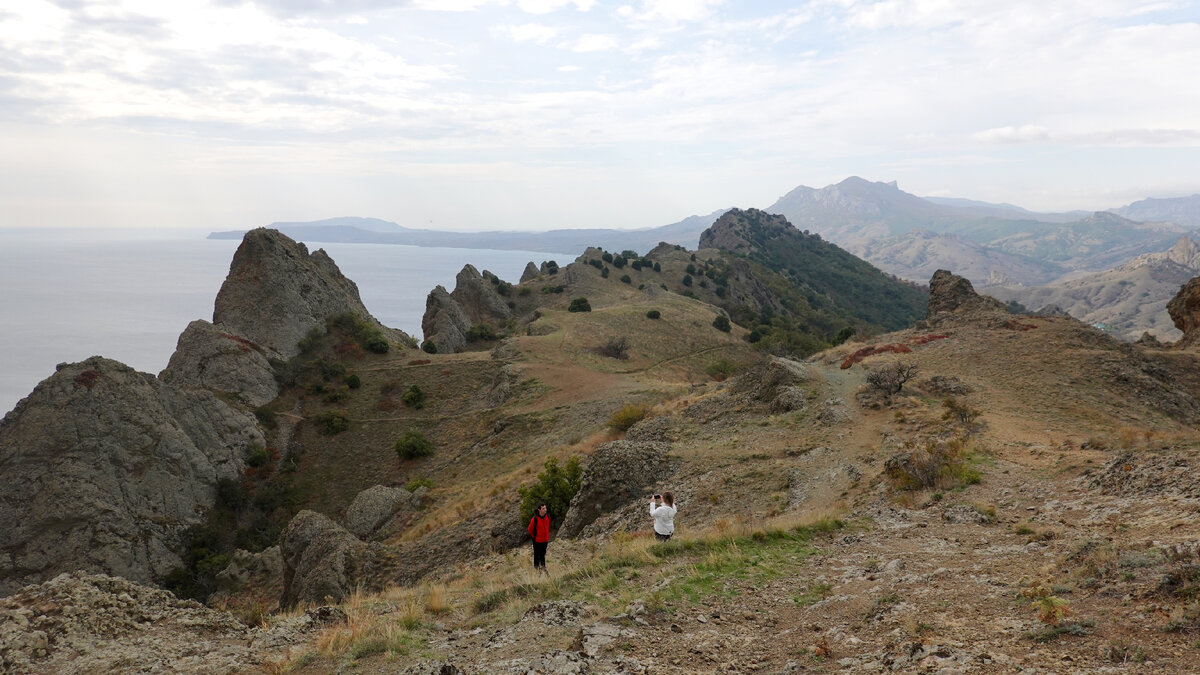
(668, 498)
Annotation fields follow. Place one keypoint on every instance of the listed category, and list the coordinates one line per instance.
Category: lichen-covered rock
(262, 572)
(103, 467)
(276, 292)
(617, 473)
(1184, 309)
(322, 561)
(208, 357)
(953, 296)
(774, 382)
(374, 506)
(478, 297)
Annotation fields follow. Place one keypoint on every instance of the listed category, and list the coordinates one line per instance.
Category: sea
(66, 295)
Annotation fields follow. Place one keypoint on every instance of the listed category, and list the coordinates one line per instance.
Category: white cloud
(595, 43)
(567, 69)
(674, 11)
(1027, 133)
(529, 32)
(548, 6)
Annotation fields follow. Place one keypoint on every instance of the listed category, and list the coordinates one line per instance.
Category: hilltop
(978, 490)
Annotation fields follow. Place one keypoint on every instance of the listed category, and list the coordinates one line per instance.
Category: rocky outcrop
(1184, 309)
(617, 474)
(102, 468)
(475, 300)
(276, 292)
(375, 507)
(774, 382)
(322, 560)
(208, 357)
(743, 231)
(445, 324)
(531, 272)
(952, 297)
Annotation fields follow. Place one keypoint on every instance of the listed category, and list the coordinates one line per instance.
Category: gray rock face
(208, 357)
(445, 324)
(102, 467)
(276, 292)
(375, 506)
(531, 272)
(321, 560)
(616, 475)
(951, 295)
(261, 571)
(478, 297)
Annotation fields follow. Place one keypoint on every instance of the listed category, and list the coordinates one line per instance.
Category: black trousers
(539, 554)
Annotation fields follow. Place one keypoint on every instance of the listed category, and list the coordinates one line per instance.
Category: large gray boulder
(103, 467)
(617, 473)
(208, 357)
(375, 507)
(1184, 309)
(320, 560)
(276, 292)
(478, 297)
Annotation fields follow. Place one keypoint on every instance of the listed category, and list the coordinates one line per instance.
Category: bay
(65, 296)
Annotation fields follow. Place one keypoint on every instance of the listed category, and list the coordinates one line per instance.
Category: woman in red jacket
(539, 529)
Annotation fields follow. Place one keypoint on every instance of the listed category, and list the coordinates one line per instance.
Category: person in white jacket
(662, 509)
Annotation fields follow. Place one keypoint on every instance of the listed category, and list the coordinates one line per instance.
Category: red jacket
(539, 529)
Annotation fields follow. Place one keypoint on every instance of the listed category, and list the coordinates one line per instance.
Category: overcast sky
(539, 114)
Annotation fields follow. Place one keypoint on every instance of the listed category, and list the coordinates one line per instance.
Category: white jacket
(664, 518)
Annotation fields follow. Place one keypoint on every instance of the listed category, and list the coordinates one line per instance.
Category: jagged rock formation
(530, 273)
(321, 560)
(1184, 309)
(220, 360)
(475, 300)
(276, 292)
(951, 296)
(776, 383)
(617, 473)
(102, 467)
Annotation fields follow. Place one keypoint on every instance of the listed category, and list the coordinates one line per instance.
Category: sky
(540, 114)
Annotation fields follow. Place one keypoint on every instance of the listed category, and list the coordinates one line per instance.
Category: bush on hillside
(413, 398)
(413, 445)
(889, 379)
(626, 416)
(615, 348)
(721, 369)
(331, 423)
(428, 347)
(481, 332)
(721, 323)
(579, 305)
(353, 381)
(654, 314)
(626, 279)
(555, 487)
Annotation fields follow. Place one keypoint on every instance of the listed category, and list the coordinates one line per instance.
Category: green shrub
(524, 291)
(266, 417)
(353, 381)
(377, 344)
(481, 332)
(721, 323)
(579, 305)
(721, 369)
(331, 423)
(626, 416)
(607, 257)
(416, 483)
(625, 279)
(257, 455)
(604, 273)
(687, 280)
(413, 398)
(618, 261)
(654, 314)
(555, 487)
(551, 267)
(428, 347)
(413, 445)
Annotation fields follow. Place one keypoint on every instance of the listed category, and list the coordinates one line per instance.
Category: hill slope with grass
(993, 494)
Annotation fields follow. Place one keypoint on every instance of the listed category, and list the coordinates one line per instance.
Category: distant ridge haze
(901, 233)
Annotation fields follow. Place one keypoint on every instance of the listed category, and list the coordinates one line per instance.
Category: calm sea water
(77, 295)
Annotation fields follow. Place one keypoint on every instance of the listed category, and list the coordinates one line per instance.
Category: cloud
(595, 43)
(548, 6)
(529, 32)
(1028, 133)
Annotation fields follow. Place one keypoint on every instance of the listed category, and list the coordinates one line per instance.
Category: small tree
(615, 348)
(721, 323)
(428, 347)
(654, 314)
(413, 445)
(889, 379)
(579, 305)
(687, 280)
(555, 487)
(413, 398)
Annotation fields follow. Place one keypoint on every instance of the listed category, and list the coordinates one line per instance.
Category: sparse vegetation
(579, 305)
(614, 348)
(413, 398)
(331, 423)
(889, 379)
